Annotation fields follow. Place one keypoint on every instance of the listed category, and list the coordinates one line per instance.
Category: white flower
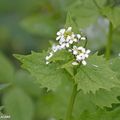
(80, 54)
(83, 38)
(67, 40)
(78, 36)
(69, 29)
(60, 34)
(47, 62)
(84, 62)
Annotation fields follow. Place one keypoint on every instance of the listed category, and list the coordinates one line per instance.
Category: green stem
(71, 103)
(109, 42)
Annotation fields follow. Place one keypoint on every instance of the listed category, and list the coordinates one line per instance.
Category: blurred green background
(27, 25)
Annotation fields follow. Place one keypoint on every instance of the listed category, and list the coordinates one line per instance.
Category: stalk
(109, 42)
(71, 103)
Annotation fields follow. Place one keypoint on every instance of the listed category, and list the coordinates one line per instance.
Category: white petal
(75, 40)
(83, 57)
(74, 63)
(73, 35)
(83, 50)
(68, 38)
(78, 58)
(51, 54)
(88, 51)
(69, 29)
(62, 31)
(75, 52)
(78, 36)
(84, 62)
(47, 62)
(80, 48)
(83, 38)
(74, 47)
(86, 55)
(62, 39)
(63, 45)
(70, 50)
(71, 41)
(67, 45)
(58, 38)
(47, 58)
(58, 33)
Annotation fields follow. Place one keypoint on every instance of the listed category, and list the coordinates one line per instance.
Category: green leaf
(70, 22)
(69, 68)
(115, 66)
(95, 75)
(101, 114)
(113, 14)
(48, 76)
(6, 69)
(104, 98)
(84, 13)
(18, 105)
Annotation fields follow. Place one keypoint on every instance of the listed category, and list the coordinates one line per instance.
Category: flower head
(67, 39)
(80, 54)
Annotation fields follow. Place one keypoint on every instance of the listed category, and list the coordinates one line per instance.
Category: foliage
(32, 90)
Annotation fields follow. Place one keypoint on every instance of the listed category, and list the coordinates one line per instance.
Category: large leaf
(48, 76)
(18, 105)
(96, 75)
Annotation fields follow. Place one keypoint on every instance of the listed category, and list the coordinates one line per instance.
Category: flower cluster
(80, 55)
(67, 40)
